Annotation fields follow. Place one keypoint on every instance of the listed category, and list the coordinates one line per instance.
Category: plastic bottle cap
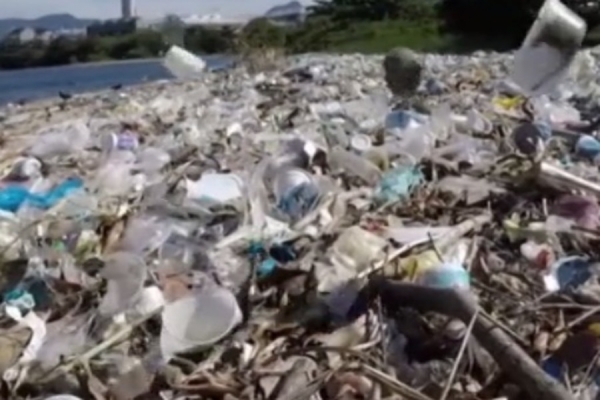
(361, 143)
(310, 148)
(31, 167)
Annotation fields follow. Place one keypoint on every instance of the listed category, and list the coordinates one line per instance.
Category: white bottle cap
(361, 143)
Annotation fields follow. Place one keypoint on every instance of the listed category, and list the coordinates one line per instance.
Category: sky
(103, 9)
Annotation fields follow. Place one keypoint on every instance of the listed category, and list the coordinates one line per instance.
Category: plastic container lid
(361, 143)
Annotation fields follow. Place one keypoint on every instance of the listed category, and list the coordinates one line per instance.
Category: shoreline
(86, 64)
(108, 62)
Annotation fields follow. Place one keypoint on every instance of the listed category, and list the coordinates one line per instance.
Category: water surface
(39, 83)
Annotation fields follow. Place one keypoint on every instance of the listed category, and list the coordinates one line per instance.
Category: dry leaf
(12, 344)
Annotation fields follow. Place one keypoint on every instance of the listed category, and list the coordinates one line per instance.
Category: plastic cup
(63, 397)
(198, 321)
(183, 64)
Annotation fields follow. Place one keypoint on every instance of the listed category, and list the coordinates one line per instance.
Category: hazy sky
(146, 8)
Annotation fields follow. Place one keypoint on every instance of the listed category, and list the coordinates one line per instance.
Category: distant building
(127, 9)
(213, 20)
(113, 27)
(293, 13)
(72, 33)
(24, 35)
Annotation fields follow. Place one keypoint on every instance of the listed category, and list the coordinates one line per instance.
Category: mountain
(51, 22)
(291, 8)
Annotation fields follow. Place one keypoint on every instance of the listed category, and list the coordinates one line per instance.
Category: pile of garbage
(348, 227)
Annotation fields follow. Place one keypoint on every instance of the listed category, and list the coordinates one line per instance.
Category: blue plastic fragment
(298, 201)
(553, 367)
(447, 276)
(256, 249)
(267, 267)
(20, 298)
(283, 253)
(398, 184)
(572, 272)
(588, 147)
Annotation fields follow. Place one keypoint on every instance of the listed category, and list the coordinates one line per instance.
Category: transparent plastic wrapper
(113, 179)
(151, 299)
(60, 140)
(191, 134)
(478, 122)
(258, 196)
(145, 234)
(441, 121)
(65, 337)
(555, 112)
(418, 142)
(355, 248)
(78, 205)
(10, 238)
(354, 165)
(369, 111)
(183, 64)
(231, 269)
(583, 69)
(351, 253)
(125, 274)
(133, 377)
(186, 324)
(409, 234)
(400, 120)
(466, 148)
(151, 160)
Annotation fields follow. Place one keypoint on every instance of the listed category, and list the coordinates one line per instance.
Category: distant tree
(209, 40)
(349, 10)
(173, 30)
(60, 51)
(262, 33)
(507, 18)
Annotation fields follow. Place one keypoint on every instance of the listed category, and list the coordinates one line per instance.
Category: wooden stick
(461, 304)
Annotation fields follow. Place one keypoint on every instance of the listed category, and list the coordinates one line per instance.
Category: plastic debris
(188, 237)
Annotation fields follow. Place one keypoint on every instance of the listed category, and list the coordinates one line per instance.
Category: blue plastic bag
(12, 197)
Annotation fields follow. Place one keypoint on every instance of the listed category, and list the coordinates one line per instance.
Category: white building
(127, 9)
